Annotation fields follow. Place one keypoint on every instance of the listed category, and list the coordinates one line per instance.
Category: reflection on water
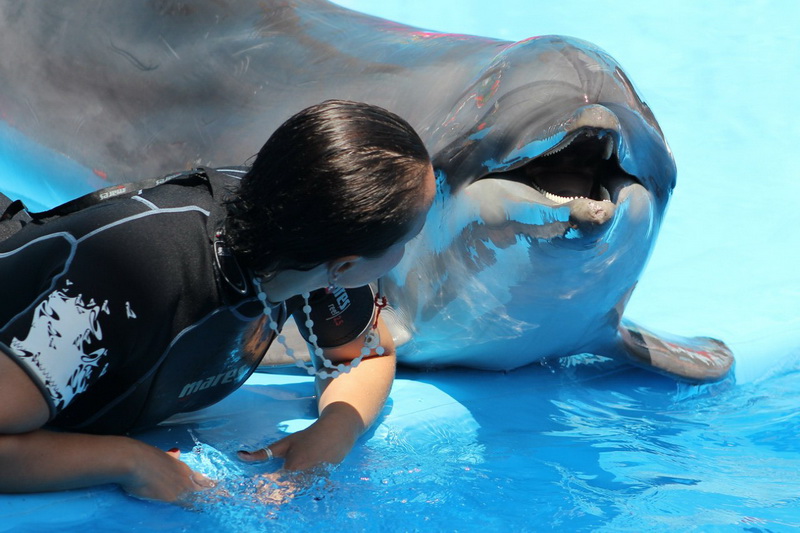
(724, 457)
(601, 449)
(570, 447)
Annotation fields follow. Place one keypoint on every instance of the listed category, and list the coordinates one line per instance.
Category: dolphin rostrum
(552, 174)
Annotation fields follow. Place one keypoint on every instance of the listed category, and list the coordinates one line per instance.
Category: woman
(163, 300)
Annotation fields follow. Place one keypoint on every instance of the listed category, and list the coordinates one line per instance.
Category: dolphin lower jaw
(476, 298)
(501, 321)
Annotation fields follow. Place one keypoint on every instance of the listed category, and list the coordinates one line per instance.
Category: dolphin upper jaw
(512, 114)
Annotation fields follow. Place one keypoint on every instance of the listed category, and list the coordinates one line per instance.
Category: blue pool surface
(572, 445)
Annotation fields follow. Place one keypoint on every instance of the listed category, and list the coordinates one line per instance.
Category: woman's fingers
(263, 454)
(269, 452)
(201, 481)
(163, 476)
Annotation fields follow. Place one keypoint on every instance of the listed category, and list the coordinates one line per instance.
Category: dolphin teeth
(608, 150)
(554, 197)
(558, 147)
(558, 199)
(605, 196)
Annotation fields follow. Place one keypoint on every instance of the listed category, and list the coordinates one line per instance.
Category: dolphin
(553, 175)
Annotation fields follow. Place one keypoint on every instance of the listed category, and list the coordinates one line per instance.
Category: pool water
(580, 444)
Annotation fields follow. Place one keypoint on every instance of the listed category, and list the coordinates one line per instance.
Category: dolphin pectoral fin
(694, 359)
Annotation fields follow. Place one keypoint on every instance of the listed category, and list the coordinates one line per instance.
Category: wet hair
(338, 178)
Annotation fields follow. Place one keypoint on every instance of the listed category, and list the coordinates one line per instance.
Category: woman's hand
(158, 475)
(349, 404)
(328, 440)
(41, 461)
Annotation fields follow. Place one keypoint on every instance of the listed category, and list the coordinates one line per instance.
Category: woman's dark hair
(338, 178)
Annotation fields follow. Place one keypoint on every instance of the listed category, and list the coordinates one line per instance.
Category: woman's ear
(341, 265)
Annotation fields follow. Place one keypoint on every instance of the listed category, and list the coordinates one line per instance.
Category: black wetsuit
(126, 312)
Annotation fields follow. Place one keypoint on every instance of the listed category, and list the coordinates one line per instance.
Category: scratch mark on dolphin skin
(242, 67)
(250, 49)
(172, 50)
(133, 60)
(32, 110)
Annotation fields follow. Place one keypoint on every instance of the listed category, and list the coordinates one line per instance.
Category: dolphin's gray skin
(508, 269)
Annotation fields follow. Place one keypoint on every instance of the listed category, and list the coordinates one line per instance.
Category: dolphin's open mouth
(583, 165)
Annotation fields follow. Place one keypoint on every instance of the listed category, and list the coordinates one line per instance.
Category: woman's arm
(36, 460)
(348, 405)
(42, 461)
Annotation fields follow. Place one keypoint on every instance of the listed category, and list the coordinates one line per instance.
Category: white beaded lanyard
(371, 341)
